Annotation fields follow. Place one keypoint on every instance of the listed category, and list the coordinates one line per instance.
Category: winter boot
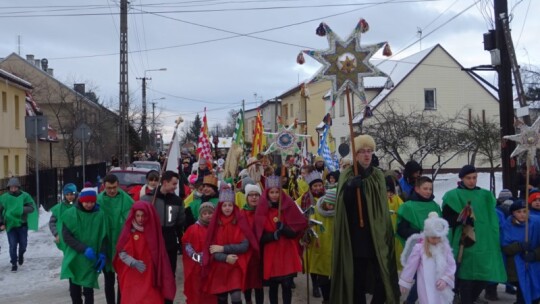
(14, 268)
(491, 293)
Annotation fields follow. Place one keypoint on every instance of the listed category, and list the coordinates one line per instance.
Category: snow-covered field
(38, 280)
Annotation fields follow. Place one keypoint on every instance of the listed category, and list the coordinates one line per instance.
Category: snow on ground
(41, 268)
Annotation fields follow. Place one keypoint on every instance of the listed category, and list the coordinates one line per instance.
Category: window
(285, 112)
(6, 166)
(341, 106)
(430, 102)
(292, 110)
(342, 140)
(16, 164)
(17, 121)
(4, 102)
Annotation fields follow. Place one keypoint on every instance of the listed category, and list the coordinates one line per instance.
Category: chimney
(30, 58)
(44, 64)
(50, 71)
(37, 63)
(79, 88)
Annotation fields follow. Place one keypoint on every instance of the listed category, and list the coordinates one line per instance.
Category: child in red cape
(225, 255)
(254, 269)
(278, 234)
(194, 242)
(141, 262)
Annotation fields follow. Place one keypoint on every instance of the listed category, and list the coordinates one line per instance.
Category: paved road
(54, 291)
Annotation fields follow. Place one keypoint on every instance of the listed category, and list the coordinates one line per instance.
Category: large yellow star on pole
(528, 140)
(346, 62)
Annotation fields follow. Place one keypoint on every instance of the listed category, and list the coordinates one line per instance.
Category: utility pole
(124, 92)
(153, 124)
(144, 130)
(506, 102)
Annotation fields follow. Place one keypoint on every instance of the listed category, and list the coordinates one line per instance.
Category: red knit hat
(533, 196)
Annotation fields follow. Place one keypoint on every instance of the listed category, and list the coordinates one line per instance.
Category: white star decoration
(346, 63)
(528, 140)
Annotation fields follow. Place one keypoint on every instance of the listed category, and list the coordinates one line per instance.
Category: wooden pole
(527, 201)
(353, 154)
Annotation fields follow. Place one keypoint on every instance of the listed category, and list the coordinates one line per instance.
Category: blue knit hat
(466, 170)
(70, 188)
(88, 195)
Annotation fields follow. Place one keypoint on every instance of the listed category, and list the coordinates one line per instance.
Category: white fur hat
(435, 226)
(252, 188)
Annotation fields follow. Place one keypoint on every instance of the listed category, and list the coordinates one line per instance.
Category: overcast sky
(205, 69)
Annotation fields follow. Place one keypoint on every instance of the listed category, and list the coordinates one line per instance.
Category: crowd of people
(355, 231)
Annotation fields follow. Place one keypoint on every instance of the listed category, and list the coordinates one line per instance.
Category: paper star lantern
(528, 140)
(346, 62)
(285, 141)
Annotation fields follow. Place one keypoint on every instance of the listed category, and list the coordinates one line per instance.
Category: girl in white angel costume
(429, 256)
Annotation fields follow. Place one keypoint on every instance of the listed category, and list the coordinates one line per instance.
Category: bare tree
(414, 134)
(484, 139)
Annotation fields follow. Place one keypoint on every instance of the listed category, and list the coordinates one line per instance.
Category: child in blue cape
(523, 255)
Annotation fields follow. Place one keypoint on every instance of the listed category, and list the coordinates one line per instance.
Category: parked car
(153, 165)
(130, 178)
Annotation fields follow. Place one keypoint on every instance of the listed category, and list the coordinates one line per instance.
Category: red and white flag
(204, 149)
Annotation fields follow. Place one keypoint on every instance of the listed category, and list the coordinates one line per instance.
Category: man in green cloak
(481, 261)
(363, 259)
(115, 204)
(18, 213)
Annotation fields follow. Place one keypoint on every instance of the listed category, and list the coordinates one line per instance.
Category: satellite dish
(344, 150)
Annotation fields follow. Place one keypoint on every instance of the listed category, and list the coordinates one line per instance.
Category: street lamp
(144, 130)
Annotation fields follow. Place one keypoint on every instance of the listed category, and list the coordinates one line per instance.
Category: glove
(355, 181)
(90, 254)
(279, 225)
(100, 264)
(277, 233)
(528, 256)
(139, 265)
(441, 284)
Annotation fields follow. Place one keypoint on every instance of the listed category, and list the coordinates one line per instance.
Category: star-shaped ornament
(346, 62)
(528, 140)
(285, 141)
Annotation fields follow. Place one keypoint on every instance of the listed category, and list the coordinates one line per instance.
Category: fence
(52, 180)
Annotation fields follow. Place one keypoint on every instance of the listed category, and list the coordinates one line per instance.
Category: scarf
(137, 227)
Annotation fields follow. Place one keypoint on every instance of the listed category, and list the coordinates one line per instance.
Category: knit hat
(69, 188)
(226, 195)
(364, 142)
(206, 206)
(252, 188)
(411, 167)
(13, 182)
(466, 170)
(330, 197)
(534, 194)
(517, 205)
(313, 177)
(88, 195)
(273, 181)
(504, 195)
(435, 226)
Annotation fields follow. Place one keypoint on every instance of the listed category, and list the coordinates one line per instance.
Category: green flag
(238, 136)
